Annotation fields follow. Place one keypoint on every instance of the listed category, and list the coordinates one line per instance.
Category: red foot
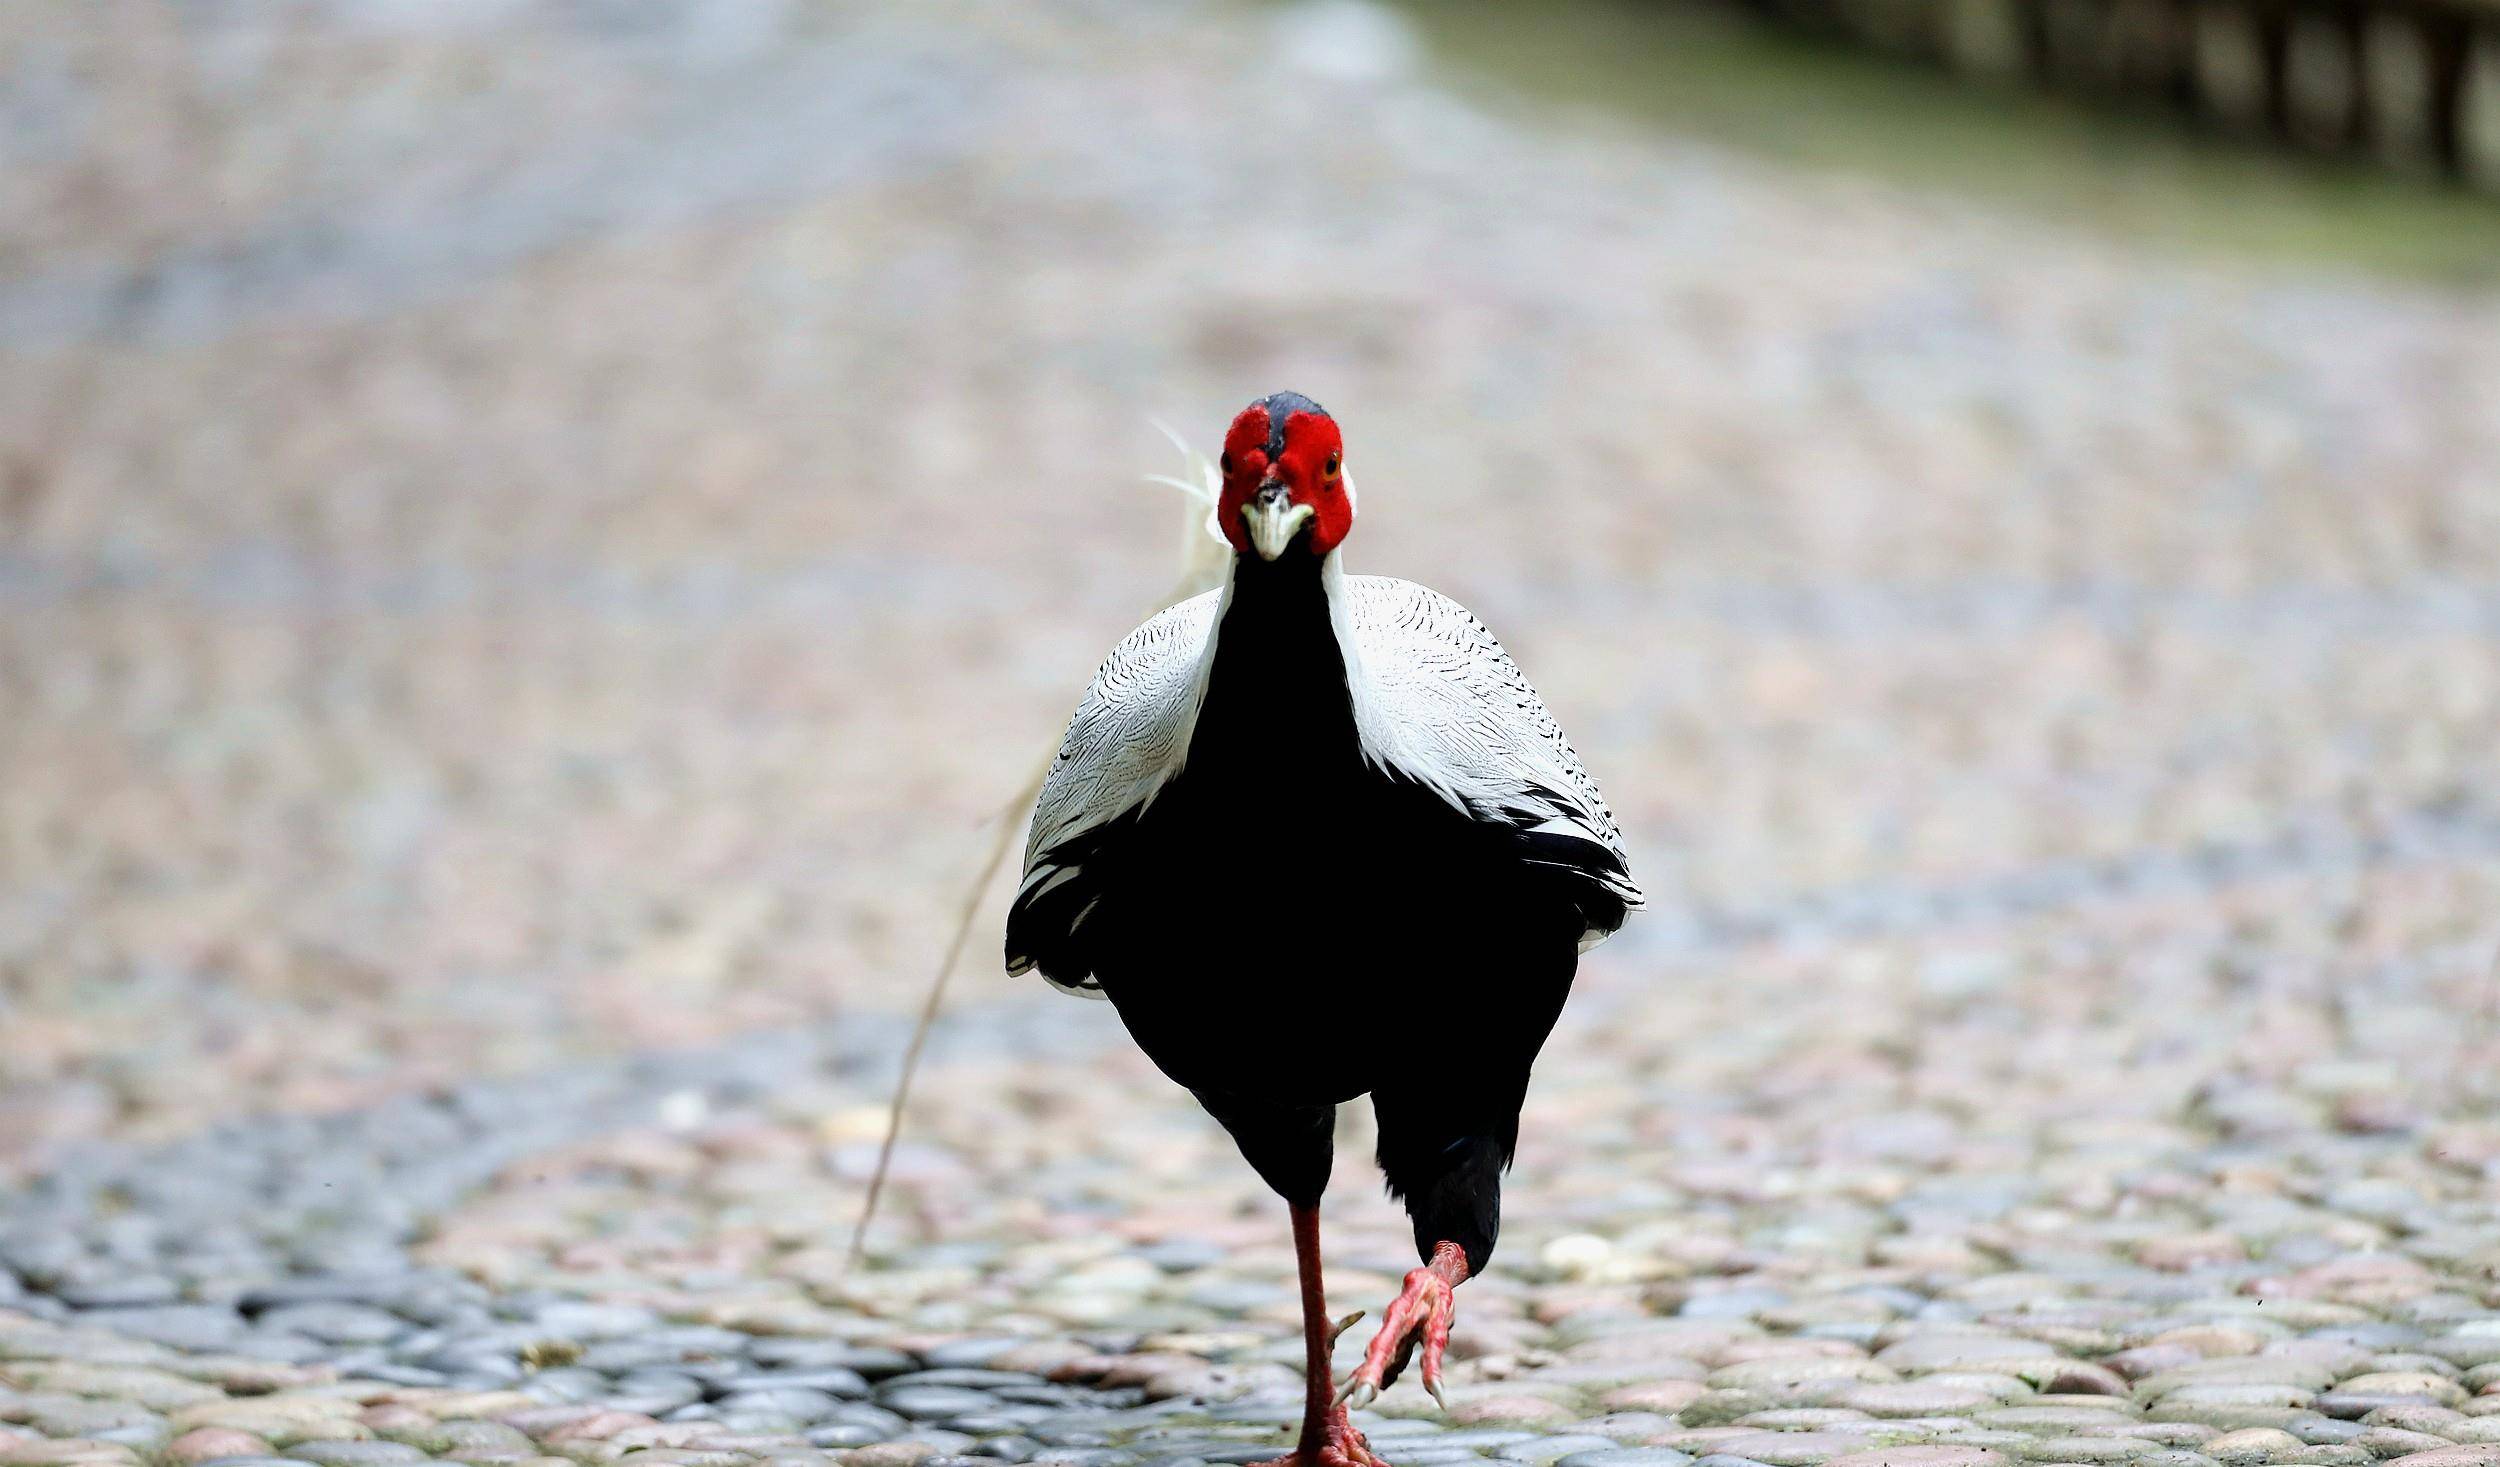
(1340, 1446)
(1421, 1314)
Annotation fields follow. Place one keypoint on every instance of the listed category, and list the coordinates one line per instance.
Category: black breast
(1282, 888)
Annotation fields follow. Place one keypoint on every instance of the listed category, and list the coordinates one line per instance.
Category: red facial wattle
(1307, 461)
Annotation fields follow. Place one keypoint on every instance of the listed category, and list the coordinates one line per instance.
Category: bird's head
(1285, 488)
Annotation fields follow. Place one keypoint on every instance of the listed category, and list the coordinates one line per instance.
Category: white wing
(1439, 701)
(1129, 735)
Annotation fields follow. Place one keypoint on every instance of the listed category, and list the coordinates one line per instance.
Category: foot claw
(1342, 1325)
(1357, 1394)
(1436, 1344)
(1420, 1315)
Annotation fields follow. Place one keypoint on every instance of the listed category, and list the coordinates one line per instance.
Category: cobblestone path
(532, 536)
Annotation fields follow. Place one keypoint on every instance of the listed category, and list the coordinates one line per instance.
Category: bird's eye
(1226, 462)
(1332, 465)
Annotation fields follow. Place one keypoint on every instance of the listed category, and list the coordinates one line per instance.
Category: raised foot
(1340, 1446)
(1420, 1315)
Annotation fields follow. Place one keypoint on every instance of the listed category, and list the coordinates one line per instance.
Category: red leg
(1328, 1438)
(1421, 1314)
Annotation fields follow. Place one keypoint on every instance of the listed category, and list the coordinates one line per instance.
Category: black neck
(1277, 693)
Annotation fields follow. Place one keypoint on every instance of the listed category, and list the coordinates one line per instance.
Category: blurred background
(540, 529)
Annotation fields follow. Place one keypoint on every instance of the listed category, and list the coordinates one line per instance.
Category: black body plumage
(1287, 925)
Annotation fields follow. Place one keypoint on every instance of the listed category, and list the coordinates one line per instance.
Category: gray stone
(620, 1356)
(857, 1413)
(932, 1402)
(876, 1362)
(655, 1393)
(751, 1422)
(355, 1453)
(832, 1380)
(1011, 1419)
(796, 1402)
(469, 1440)
(407, 1375)
(2325, 1431)
(382, 1289)
(978, 1380)
(2387, 1441)
(182, 1326)
(121, 1291)
(71, 1416)
(336, 1323)
(565, 1386)
(1538, 1451)
(584, 1321)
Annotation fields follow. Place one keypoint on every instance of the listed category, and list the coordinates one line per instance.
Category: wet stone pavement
(522, 573)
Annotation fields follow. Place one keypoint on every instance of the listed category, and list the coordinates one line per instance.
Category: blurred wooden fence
(2414, 82)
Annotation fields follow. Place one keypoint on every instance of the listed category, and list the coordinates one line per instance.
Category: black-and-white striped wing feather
(1436, 701)
(1129, 735)
(1440, 702)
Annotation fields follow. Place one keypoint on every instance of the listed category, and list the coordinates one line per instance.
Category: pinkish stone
(2146, 1360)
(598, 1426)
(1928, 1456)
(2180, 1252)
(2483, 1455)
(1504, 1410)
(207, 1442)
(1789, 1448)
(1664, 1396)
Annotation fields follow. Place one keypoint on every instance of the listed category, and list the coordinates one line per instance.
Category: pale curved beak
(1273, 519)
